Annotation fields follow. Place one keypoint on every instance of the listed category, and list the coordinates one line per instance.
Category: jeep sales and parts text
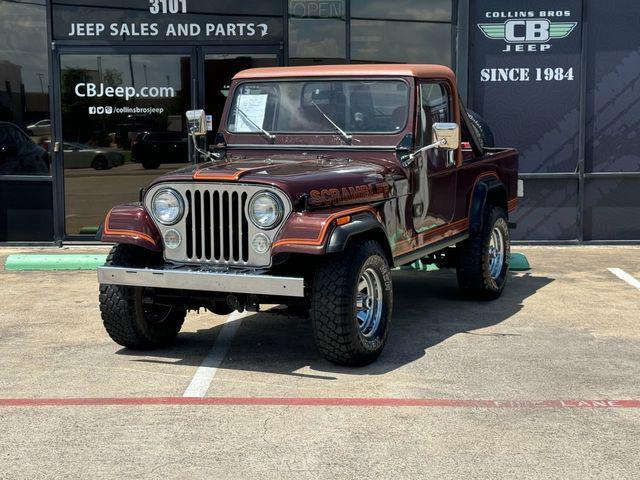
(152, 29)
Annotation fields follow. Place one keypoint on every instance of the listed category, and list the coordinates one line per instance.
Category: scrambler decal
(345, 195)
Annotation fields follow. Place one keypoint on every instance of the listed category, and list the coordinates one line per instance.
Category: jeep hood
(336, 179)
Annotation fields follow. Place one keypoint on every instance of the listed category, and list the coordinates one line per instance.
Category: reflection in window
(314, 41)
(122, 125)
(24, 88)
(400, 42)
(435, 108)
(356, 106)
(19, 155)
(438, 10)
(317, 32)
(219, 69)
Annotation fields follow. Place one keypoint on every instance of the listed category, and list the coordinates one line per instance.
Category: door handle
(56, 147)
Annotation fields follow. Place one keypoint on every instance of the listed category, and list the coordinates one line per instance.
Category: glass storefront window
(25, 126)
(317, 32)
(400, 42)
(122, 126)
(434, 10)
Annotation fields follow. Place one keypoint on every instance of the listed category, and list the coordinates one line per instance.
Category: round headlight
(265, 210)
(167, 206)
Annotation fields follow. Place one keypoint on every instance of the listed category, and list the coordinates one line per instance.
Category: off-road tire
(126, 319)
(333, 304)
(474, 275)
(483, 132)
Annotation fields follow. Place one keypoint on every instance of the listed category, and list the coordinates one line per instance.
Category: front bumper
(193, 278)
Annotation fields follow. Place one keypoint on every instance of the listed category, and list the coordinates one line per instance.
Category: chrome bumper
(187, 278)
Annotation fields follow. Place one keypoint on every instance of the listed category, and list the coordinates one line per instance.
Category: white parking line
(622, 275)
(207, 370)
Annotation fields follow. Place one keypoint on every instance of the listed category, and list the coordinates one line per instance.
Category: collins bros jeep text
(322, 179)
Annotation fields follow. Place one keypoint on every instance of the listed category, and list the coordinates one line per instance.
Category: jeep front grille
(215, 228)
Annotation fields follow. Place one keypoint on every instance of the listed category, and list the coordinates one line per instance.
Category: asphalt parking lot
(463, 390)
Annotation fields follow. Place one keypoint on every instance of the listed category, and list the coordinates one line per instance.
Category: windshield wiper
(270, 136)
(344, 134)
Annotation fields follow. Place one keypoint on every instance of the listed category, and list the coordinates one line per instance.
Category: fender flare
(130, 224)
(485, 189)
(360, 224)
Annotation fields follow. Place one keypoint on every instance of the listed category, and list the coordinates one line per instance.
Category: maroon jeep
(321, 180)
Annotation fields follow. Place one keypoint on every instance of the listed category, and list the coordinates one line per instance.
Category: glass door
(219, 67)
(122, 125)
(121, 120)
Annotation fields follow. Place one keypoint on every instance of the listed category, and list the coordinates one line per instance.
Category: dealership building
(94, 91)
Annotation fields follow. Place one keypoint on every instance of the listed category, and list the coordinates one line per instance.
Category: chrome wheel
(496, 252)
(369, 303)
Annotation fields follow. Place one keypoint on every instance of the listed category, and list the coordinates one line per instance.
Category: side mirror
(196, 122)
(447, 135)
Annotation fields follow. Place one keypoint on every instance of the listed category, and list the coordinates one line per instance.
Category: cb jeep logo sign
(530, 35)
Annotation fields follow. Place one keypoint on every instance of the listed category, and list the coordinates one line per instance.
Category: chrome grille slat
(232, 227)
(203, 248)
(241, 255)
(215, 228)
(221, 229)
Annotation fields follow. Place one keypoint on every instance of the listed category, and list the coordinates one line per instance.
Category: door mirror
(197, 122)
(447, 135)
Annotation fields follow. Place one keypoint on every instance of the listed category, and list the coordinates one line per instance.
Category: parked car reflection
(19, 155)
(153, 148)
(39, 129)
(79, 155)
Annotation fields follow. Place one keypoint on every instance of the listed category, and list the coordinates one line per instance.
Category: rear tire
(483, 259)
(128, 321)
(351, 304)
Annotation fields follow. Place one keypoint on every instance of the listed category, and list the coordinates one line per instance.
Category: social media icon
(92, 110)
(108, 110)
(99, 110)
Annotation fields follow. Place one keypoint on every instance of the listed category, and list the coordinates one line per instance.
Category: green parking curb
(85, 261)
(418, 265)
(88, 230)
(60, 261)
(519, 263)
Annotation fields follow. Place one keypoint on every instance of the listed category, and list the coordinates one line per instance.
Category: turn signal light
(343, 220)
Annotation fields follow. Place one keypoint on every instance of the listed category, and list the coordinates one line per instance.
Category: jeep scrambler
(320, 181)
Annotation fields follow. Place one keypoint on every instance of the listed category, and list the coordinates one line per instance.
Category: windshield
(320, 106)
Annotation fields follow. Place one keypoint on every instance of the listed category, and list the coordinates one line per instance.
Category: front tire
(100, 163)
(483, 259)
(126, 318)
(351, 304)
